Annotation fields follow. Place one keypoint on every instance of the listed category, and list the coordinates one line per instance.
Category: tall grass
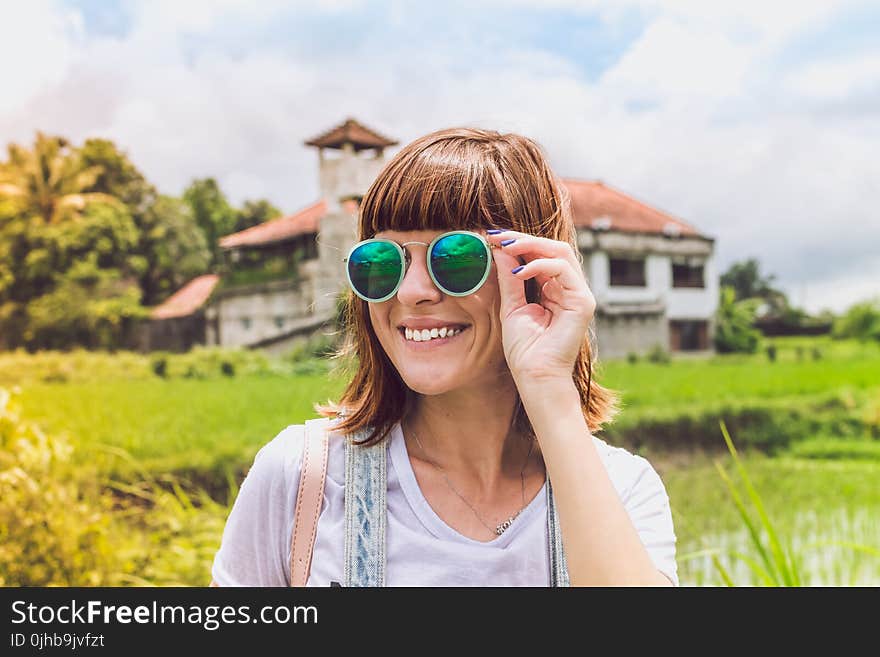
(771, 558)
(63, 523)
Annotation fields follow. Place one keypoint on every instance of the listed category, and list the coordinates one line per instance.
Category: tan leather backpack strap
(308, 499)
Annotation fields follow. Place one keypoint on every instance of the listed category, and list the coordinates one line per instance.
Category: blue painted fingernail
(494, 231)
(517, 270)
(506, 242)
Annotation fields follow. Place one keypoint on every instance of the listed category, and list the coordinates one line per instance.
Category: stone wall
(345, 173)
(338, 234)
(618, 335)
(174, 334)
(247, 315)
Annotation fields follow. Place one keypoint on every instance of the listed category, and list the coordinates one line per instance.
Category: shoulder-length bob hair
(454, 179)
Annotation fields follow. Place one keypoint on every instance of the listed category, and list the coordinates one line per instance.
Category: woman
(474, 376)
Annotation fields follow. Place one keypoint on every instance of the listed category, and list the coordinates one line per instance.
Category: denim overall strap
(558, 565)
(365, 517)
(365, 512)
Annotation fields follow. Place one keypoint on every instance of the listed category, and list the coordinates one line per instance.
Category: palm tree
(49, 181)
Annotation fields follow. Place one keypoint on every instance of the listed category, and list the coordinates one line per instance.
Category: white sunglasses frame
(405, 259)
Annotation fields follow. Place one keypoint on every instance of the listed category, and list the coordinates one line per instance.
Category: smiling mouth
(431, 341)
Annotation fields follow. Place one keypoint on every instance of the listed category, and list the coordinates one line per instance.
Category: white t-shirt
(421, 549)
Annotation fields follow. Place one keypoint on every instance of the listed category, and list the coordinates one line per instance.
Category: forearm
(601, 544)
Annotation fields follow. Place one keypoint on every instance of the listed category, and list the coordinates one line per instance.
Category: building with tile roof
(653, 274)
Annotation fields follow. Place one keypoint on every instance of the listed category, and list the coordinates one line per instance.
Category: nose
(417, 284)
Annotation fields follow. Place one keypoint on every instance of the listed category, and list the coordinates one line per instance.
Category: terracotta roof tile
(593, 201)
(276, 230)
(187, 299)
(360, 137)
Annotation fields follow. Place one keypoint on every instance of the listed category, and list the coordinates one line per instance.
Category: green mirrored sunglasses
(458, 262)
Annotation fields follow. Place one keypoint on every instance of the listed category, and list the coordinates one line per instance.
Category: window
(627, 272)
(687, 275)
(279, 322)
(245, 323)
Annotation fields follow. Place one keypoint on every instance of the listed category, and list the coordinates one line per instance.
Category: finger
(552, 290)
(511, 290)
(554, 268)
(532, 246)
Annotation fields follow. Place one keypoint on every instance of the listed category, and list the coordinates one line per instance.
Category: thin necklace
(501, 527)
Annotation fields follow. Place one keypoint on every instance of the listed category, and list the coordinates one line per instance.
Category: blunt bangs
(438, 184)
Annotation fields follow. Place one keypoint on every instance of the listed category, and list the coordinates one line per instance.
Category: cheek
(379, 322)
(487, 306)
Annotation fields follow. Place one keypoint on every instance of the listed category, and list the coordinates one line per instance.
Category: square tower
(350, 156)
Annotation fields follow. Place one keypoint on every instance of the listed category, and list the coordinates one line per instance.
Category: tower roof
(351, 132)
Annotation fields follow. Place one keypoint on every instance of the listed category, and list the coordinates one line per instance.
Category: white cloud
(36, 50)
(837, 79)
(673, 63)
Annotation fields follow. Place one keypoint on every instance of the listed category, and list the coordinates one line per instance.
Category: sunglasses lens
(374, 269)
(460, 263)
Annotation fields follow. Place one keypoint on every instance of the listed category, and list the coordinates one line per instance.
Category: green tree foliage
(174, 246)
(861, 321)
(211, 211)
(747, 281)
(253, 213)
(88, 246)
(734, 319)
(70, 283)
(171, 244)
(117, 176)
(50, 181)
(85, 241)
(774, 312)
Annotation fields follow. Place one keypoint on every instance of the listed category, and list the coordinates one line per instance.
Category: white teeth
(424, 335)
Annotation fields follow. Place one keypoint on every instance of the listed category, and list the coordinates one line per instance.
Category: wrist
(542, 380)
(553, 389)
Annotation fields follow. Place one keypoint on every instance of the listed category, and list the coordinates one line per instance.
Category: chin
(429, 382)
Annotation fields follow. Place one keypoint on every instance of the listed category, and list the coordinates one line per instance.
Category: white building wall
(646, 321)
(658, 278)
(681, 303)
(597, 272)
(694, 303)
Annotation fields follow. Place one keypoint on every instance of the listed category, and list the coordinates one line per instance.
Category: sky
(757, 122)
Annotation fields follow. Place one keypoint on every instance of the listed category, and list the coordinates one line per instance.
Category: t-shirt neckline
(429, 518)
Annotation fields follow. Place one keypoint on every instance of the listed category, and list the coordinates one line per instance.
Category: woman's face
(472, 358)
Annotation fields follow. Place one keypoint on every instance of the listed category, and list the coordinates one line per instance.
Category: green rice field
(808, 423)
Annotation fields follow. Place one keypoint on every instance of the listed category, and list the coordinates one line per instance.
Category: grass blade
(783, 563)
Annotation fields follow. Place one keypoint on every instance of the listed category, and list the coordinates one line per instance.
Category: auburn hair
(453, 179)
